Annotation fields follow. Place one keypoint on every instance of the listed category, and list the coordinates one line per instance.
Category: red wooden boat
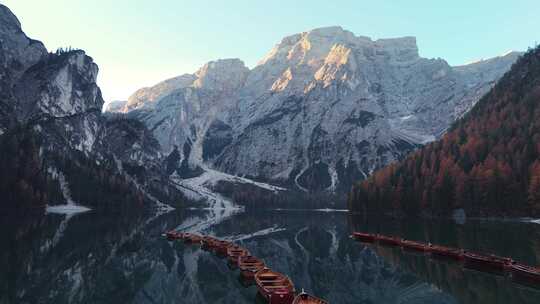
(446, 252)
(388, 240)
(364, 237)
(304, 298)
(220, 247)
(234, 252)
(524, 272)
(173, 235)
(208, 242)
(413, 245)
(491, 262)
(275, 287)
(249, 266)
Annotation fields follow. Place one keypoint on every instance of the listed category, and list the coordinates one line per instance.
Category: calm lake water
(92, 258)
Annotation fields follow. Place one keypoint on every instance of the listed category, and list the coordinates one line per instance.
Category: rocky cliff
(488, 164)
(322, 109)
(57, 146)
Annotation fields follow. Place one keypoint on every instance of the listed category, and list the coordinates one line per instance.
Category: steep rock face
(146, 96)
(61, 147)
(322, 109)
(17, 53)
(181, 119)
(60, 96)
(488, 164)
(59, 86)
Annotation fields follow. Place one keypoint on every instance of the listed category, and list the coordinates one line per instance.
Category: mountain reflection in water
(94, 258)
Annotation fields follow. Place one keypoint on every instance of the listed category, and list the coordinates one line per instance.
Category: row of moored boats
(274, 287)
(479, 261)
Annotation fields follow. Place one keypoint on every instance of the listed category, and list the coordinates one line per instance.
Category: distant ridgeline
(488, 163)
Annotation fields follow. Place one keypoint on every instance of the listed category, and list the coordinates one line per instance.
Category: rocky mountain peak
(149, 95)
(8, 19)
(323, 108)
(224, 75)
(308, 46)
(60, 85)
(17, 51)
(114, 106)
(313, 46)
(220, 76)
(326, 55)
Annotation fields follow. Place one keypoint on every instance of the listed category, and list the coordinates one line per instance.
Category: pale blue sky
(138, 43)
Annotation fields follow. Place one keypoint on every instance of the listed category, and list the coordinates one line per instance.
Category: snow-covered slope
(322, 109)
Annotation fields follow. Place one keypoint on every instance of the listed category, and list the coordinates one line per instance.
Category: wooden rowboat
(364, 237)
(208, 243)
(413, 245)
(523, 272)
(234, 252)
(220, 247)
(304, 298)
(488, 262)
(446, 252)
(249, 266)
(275, 287)
(388, 240)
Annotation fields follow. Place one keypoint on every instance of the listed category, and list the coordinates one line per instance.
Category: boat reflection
(466, 284)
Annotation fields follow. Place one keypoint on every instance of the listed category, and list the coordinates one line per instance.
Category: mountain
(323, 108)
(487, 164)
(114, 106)
(56, 146)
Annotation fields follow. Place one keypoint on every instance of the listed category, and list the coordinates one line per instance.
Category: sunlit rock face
(322, 109)
(114, 106)
(147, 96)
(57, 93)
(61, 91)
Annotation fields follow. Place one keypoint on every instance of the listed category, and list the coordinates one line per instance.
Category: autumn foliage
(488, 162)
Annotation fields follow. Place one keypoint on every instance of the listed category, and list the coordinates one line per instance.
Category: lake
(96, 258)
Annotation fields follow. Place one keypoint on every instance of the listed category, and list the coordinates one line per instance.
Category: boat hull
(249, 266)
(283, 297)
(485, 263)
(364, 237)
(447, 253)
(389, 241)
(221, 248)
(248, 275)
(414, 246)
(233, 253)
(275, 287)
(526, 274)
(208, 243)
(305, 298)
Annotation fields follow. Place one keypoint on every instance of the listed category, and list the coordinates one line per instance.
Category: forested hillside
(488, 163)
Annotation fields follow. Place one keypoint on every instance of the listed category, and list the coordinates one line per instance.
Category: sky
(139, 43)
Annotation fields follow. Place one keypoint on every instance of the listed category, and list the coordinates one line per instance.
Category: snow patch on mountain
(70, 207)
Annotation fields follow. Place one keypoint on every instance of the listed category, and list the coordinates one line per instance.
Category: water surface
(93, 258)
